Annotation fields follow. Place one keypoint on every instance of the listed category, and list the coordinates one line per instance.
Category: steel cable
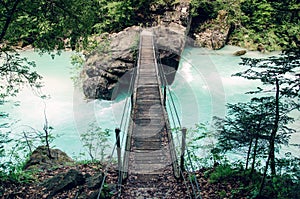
(172, 104)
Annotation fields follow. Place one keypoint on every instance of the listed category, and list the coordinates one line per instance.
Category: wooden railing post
(117, 131)
(183, 143)
(165, 95)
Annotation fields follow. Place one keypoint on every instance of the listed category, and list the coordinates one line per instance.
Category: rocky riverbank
(52, 179)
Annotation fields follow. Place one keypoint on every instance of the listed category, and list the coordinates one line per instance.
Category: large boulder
(105, 65)
(63, 182)
(40, 159)
(170, 41)
(95, 181)
(87, 186)
(214, 33)
(108, 69)
(105, 73)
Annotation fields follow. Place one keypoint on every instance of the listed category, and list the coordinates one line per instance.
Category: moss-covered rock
(40, 160)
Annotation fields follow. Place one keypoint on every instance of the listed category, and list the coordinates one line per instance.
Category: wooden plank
(147, 145)
(148, 168)
(144, 132)
(149, 157)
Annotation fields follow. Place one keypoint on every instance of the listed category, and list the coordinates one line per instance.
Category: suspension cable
(187, 150)
(164, 81)
(180, 170)
(105, 170)
(172, 104)
(164, 84)
(125, 126)
(123, 123)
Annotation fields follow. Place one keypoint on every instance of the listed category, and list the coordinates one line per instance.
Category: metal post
(183, 142)
(165, 95)
(117, 131)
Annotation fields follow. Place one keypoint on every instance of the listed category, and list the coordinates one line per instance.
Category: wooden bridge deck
(148, 158)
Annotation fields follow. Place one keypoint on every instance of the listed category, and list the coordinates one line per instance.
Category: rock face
(177, 13)
(63, 182)
(74, 179)
(104, 67)
(215, 33)
(94, 182)
(39, 159)
(107, 71)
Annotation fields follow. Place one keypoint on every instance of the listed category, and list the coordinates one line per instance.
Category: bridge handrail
(162, 83)
(126, 121)
(163, 89)
(171, 103)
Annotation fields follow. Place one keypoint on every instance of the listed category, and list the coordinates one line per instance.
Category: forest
(260, 128)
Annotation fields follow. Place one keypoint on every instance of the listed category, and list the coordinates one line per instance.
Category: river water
(202, 86)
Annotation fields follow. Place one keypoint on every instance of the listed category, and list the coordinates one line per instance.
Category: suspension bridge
(149, 165)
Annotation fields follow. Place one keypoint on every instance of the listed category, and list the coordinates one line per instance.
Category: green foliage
(201, 143)
(280, 78)
(247, 128)
(221, 173)
(273, 24)
(77, 61)
(16, 148)
(16, 71)
(257, 128)
(12, 160)
(289, 166)
(4, 140)
(222, 194)
(95, 140)
(284, 187)
(48, 25)
(114, 15)
(204, 9)
(281, 186)
(15, 173)
(45, 24)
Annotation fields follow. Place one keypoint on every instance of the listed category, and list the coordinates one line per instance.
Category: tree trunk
(254, 155)
(8, 20)
(27, 142)
(47, 133)
(274, 132)
(47, 142)
(271, 157)
(255, 148)
(248, 153)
